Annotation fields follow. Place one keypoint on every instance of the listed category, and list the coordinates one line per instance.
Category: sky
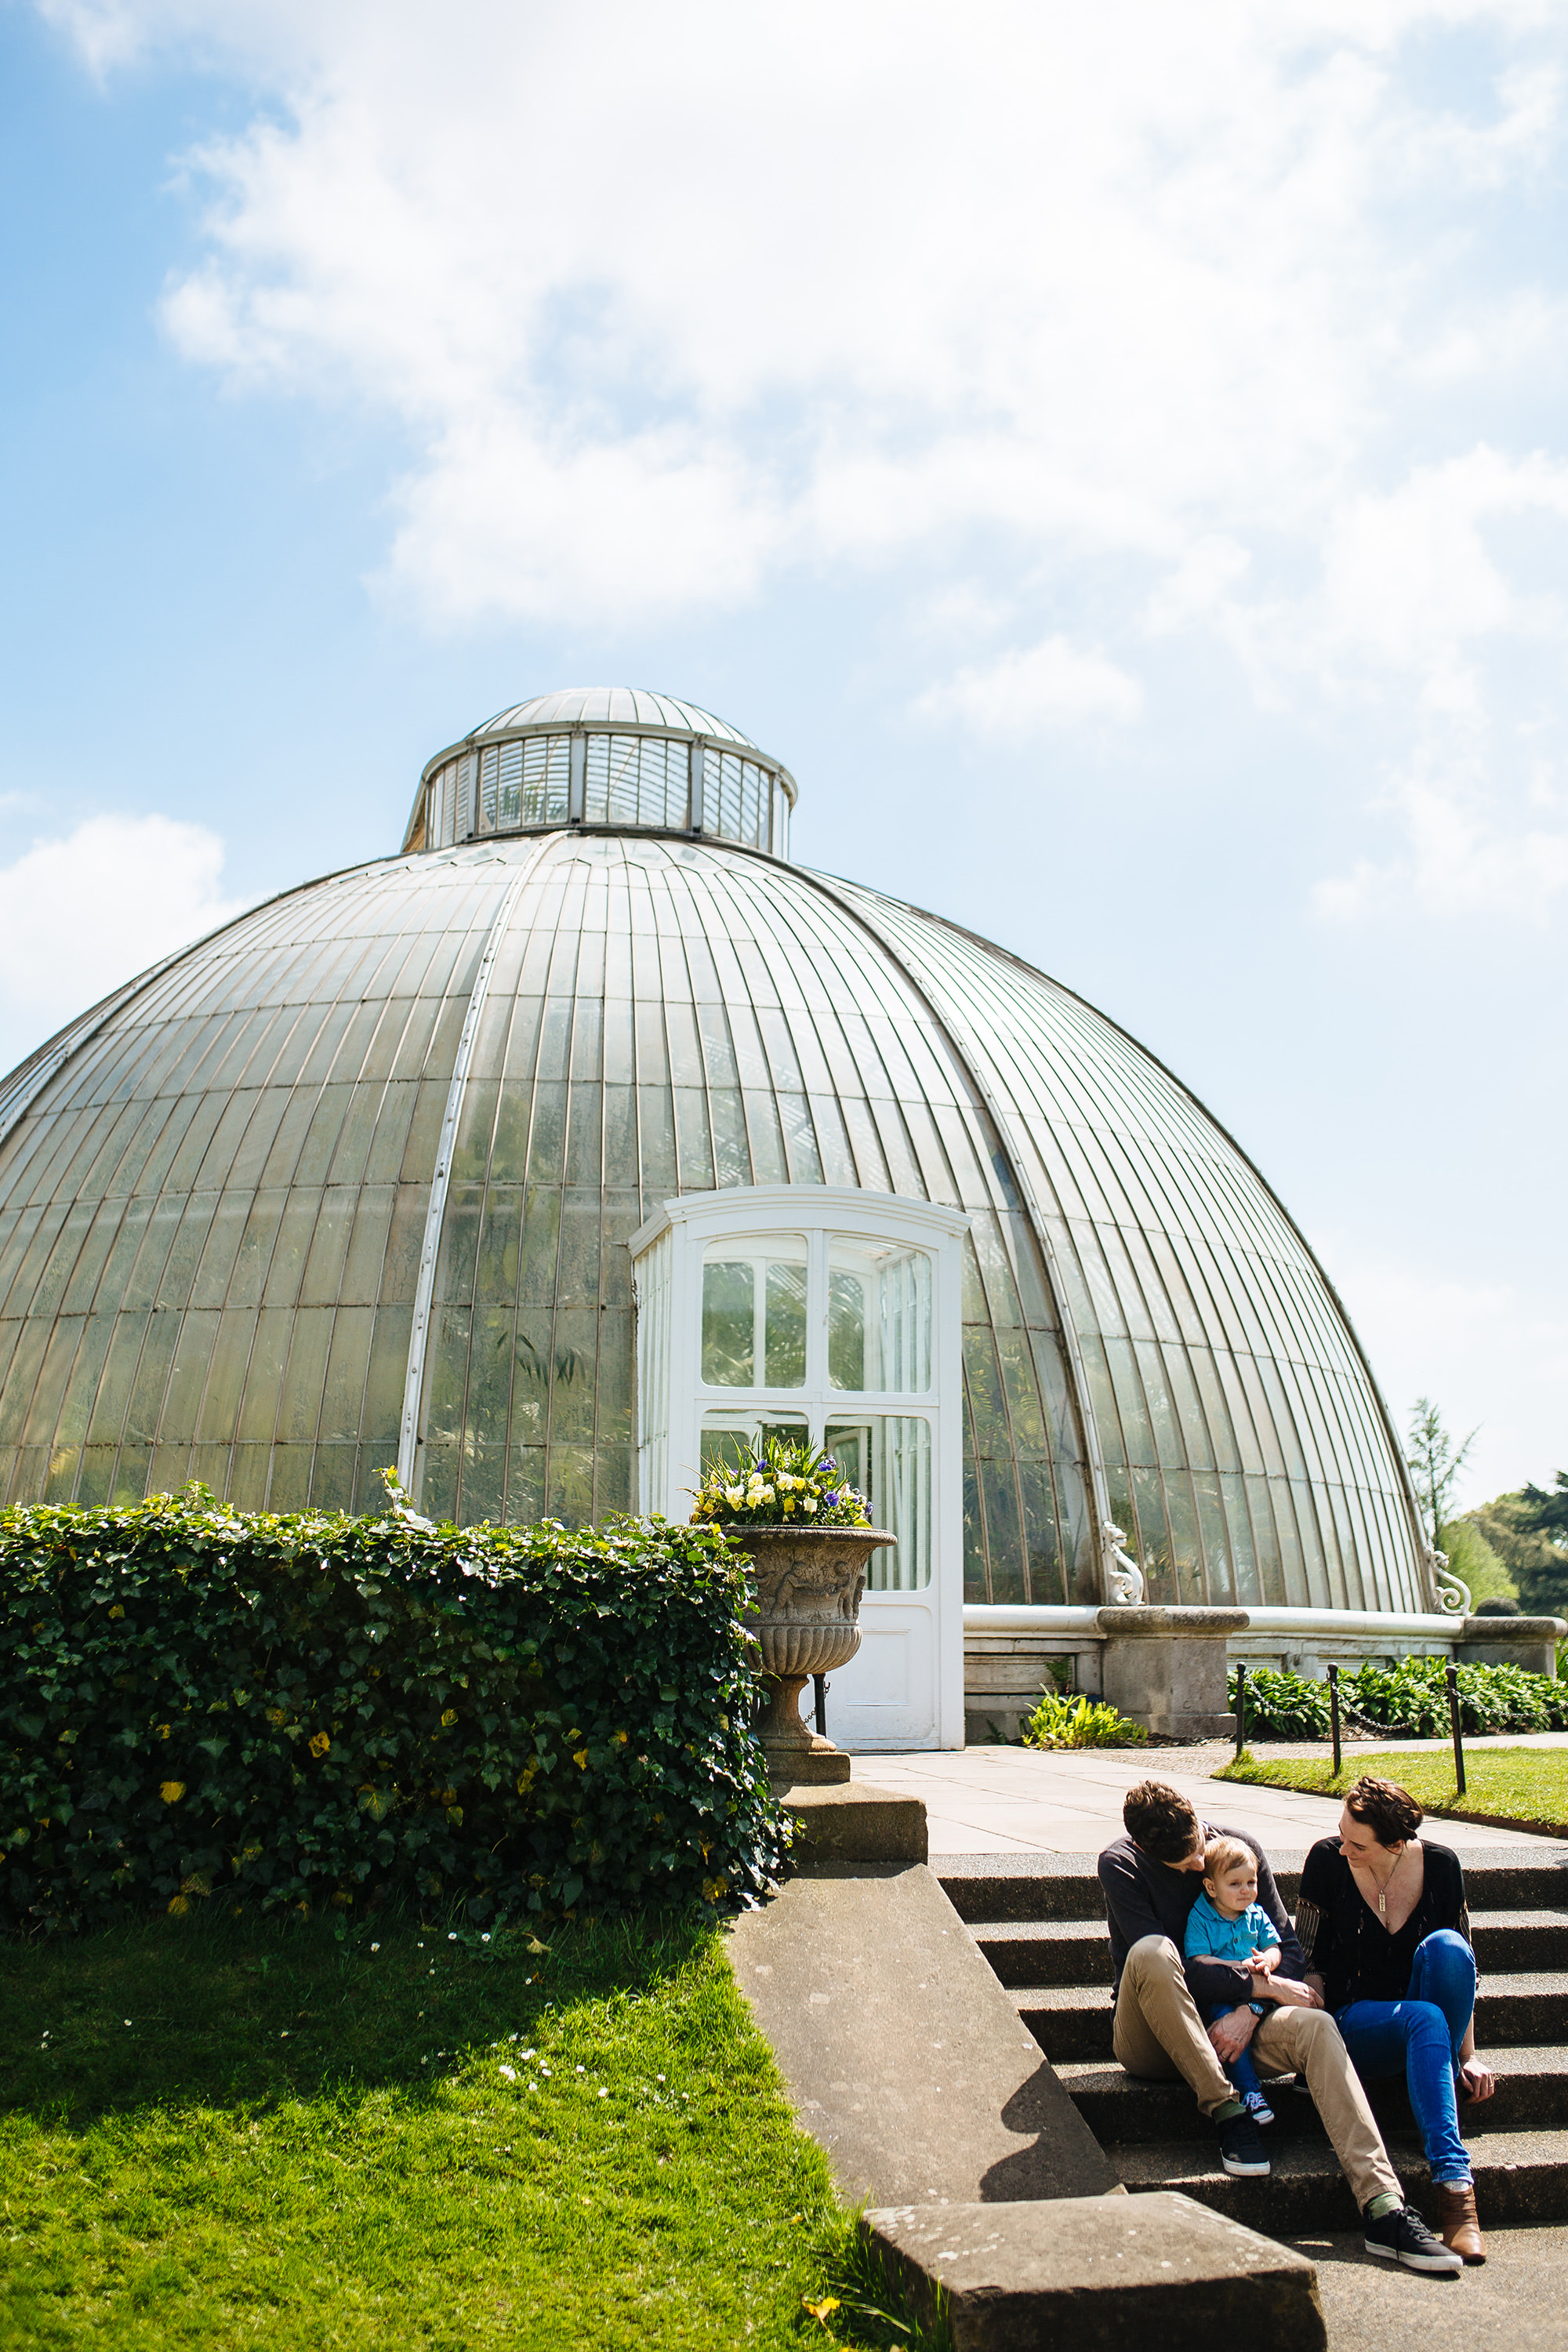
(1116, 457)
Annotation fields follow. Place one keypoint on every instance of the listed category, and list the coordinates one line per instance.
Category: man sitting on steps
(1152, 1877)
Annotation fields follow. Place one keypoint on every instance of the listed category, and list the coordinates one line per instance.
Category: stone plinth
(1165, 1668)
(1530, 1641)
(854, 1824)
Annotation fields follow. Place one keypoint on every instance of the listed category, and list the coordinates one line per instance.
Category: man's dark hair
(1389, 1811)
(1160, 1821)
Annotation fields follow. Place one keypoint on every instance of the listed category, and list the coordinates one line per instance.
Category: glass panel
(729, 1316)
(846, 1331)
(892, 1454)
(879, 1317)
(722, 1433)
(785, 1357)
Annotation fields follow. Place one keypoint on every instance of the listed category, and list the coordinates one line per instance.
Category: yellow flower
(320, 1745)
(162, 1730)
(581, 1759)
(178, 1906)
(171, 1791)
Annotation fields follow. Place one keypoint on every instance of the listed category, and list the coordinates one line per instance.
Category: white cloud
(663, 301)
(1185, 318)
(80, 915)
(1053, 684)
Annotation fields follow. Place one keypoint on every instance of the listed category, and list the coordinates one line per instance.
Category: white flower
(604, 2094)
(509, 2074)
(811, 1503)
(376, 1948)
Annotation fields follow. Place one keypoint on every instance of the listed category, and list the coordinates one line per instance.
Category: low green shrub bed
(1411, 1697)
(1061, 1722)
(219, 2132)
(203, 1705)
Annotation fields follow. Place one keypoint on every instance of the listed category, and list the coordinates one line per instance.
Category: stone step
(1532, 2095)
(1077, 1951)
(1519, 2177)
(1073, 2021)
(986, 1887)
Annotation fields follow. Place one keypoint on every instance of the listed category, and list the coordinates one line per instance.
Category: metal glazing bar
(436, 1208)
(577, 780)
(697, 774)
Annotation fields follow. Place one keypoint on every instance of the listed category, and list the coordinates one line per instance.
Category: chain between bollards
(1452, 1679)
(1240, 1707)
(1334, 1713)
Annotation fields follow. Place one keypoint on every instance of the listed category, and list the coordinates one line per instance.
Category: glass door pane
(888, 1456)
(879, 1318)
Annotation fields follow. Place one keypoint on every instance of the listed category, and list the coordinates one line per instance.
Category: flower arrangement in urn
(809, 1533)
(778, 1482)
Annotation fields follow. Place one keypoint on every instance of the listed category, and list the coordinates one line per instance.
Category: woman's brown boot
(1456, 2221)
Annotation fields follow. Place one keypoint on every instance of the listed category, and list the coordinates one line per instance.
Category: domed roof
(217, 1192)
(611, 706)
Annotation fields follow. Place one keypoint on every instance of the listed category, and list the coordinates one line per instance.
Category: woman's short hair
(1223, 1854)
(1160, 1821)
(1389, 1811)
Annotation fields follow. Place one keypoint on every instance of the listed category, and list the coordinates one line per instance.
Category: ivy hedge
(317, 1710)
(1411, 1697)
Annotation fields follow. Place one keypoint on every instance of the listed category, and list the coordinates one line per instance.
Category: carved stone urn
(807, 1621)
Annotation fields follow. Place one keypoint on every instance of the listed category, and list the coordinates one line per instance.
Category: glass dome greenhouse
(386, 1170)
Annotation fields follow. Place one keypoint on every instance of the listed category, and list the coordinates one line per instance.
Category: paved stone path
(1027, 1801)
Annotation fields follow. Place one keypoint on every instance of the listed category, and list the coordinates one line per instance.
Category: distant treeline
(1515, 1548)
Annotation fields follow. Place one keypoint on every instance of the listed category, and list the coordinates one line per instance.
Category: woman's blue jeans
(1420, 2036)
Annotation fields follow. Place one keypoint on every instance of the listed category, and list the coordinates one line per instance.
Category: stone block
(1165, 1668)
(852, 1823)
(902, 2054)
(1098, 2273)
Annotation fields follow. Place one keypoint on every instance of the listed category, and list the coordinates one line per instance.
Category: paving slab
(902, 2054)
(1022, 1799)
(1088, 2274)
(1517, 2303)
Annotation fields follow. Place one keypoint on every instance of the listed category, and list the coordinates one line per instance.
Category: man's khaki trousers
(1158, 2032)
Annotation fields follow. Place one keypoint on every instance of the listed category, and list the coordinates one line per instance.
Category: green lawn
(1527, 1785)
(220, 2133)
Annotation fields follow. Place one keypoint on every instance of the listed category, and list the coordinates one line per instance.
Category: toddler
(1228, 1923)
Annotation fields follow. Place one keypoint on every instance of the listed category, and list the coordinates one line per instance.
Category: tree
(1537, 1563)
(1547, 1514)
(1435, 1464)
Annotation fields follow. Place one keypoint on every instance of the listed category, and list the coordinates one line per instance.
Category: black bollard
(1240, 1707)
(820, 1685)
(1452, 1679)
(1334, 1713)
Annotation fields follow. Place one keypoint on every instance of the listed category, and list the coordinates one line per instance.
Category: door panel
(885, 1696)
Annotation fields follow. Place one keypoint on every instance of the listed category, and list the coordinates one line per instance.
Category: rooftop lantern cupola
(610, 757)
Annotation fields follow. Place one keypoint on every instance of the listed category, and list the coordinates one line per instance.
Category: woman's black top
(1345, 1942)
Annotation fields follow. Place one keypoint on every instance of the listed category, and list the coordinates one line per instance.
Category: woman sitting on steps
(1385, 1936)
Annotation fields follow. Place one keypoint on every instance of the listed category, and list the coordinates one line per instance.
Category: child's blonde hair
(1221, 1856)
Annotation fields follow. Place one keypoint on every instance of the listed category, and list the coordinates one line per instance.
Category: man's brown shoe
(1457, 2222)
